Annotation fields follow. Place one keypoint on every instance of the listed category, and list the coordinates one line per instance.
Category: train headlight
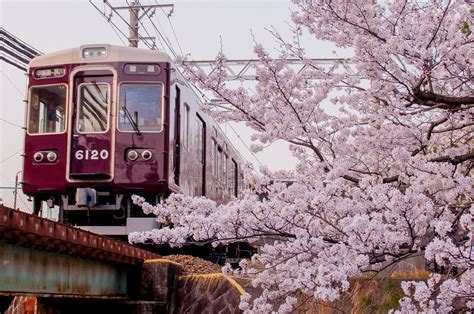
(146, 154)
(38, 156)
(52, 156)
(132, 155)
(94, 52)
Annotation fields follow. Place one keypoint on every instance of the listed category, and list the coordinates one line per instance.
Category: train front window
(47, 109)
(93, 103)
(140, 106)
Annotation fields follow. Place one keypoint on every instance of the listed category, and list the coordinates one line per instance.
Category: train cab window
(140, 104)
(47, 109)
(93, 106)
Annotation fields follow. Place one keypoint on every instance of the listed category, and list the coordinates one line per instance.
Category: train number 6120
(91, 154)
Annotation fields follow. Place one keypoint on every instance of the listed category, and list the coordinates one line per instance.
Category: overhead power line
(28, 50)
(11, 123)
(15, 51)
(162, 37)
(168, 16)
(11, 61)
(12, 155)
(137, 12)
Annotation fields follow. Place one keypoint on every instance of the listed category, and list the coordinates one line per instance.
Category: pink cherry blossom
(384, 150)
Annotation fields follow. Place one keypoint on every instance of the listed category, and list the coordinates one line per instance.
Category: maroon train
(106, 122)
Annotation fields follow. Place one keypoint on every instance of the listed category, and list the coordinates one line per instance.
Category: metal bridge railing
(7, 198)
(24, 203)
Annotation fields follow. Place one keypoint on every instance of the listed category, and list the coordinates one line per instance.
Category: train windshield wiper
(99, 92)
(134, 123)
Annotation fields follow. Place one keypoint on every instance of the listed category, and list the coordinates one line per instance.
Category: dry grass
(366, 295)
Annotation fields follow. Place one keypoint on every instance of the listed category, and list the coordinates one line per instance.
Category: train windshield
(92, 107)
(140, 104)
(47, 108)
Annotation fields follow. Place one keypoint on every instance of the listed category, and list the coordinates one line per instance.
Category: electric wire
(158, 37)
(26, 47)
(28, 207)
(165, 38)
(11, 156)
(205, 98)
(109, 20)
(123, 19)
(243, 142)
(117, 13)
(11, 123)
(171, 49)
(116, 33)
(114, 28)
(172, 28)
(13, 84)
(173, 52)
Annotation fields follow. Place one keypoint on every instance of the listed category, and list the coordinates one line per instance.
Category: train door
(177, 136)
(91, 135)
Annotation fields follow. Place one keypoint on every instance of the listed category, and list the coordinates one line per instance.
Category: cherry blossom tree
(384, 150)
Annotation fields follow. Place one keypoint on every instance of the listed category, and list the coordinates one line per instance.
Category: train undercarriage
(114, 214)
(101, 211)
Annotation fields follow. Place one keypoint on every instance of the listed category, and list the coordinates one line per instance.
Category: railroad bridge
(69, 270)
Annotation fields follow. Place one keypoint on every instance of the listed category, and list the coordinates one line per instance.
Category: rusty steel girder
(45, 258)
(27, 270)
(26, 229)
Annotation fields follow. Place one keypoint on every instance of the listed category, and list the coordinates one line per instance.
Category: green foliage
(466, 29)
(380, 297)
(366, 303)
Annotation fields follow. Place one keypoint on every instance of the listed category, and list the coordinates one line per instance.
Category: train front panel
(97, 131)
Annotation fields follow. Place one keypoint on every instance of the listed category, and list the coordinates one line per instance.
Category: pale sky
(199, 25)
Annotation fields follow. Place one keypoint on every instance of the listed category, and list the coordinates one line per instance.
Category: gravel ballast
(194, 265)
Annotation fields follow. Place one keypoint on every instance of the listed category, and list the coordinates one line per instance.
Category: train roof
(113, 54)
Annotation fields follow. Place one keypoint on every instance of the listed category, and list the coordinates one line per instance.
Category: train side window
(214, 153)
(234, 176)
(199, 140)
(201, 126)
(93, 106)
(214, 158)
(140, 101)
(186, 126)
(241, 182)
(47, 109)
(224, 166)
(219, 164)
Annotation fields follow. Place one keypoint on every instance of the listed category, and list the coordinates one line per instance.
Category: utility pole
(133, 39)
(136, 15)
